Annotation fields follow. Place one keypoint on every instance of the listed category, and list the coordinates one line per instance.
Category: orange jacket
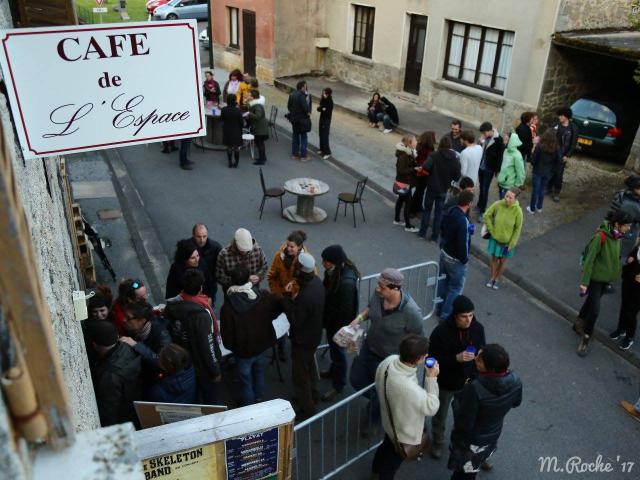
(279, 275)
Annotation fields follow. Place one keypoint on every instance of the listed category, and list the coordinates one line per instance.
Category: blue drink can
(471, 349)
(430, 362)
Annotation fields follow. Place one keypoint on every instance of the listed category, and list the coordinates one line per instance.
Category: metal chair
(248, 140)
(272, 121)
(352, 198)
(275, 192)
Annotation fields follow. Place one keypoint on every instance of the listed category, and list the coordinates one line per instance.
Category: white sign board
(81, 88)
(100, 9)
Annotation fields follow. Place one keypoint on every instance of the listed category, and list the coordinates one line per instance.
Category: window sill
(364, 61)
(233, 49)
(491, 98)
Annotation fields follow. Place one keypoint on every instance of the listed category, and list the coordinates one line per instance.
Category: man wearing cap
(243, 250)
(392, 314)
(304, 310)
(454, 344)
(340, 307)
(115, 375)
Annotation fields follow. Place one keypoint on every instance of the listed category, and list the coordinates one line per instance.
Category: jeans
(185, 147)
(537, 193)
(452, 285)
(629, 308)
(591, 307)
(363, 374)
(386, 121)
(304, 377)
(251, 375)
(386, 461)
(324, 138)
(555, 182)
(484, 178)
(299, 144)
(428, 203)
(372, 116)
(338, 367)
(406, 201)
(439, 420)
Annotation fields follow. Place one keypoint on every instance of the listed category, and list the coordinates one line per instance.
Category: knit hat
(334, 254)
(462, 304)
(103, 333)
(306, 262)
(244, 240)
(391, 276)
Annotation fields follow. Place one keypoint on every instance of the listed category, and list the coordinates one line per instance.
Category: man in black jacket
(191, 327)
(115, 375)
(524, 134)
(479, 411)
(454, 252)
(454, 343)
(340, 308)
(567, 134)
(208, 250)
(305, 311)
(299, 106)
(443, 166)
(389, 118)
(247, 330)
(492, 149)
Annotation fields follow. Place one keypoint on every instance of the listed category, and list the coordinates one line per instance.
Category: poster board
(154, 414)
(248, 443)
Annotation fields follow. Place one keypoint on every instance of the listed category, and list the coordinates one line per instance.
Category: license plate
(585, 141)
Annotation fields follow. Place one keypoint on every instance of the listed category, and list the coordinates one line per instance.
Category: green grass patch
(135, 8)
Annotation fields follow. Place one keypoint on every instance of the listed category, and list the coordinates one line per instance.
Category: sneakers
(539, 210)
(397, 222)
(387, 130)
(626, 343)
(583, 346)
(305, 159)
(295, 157)
(188, 165)
(411, 229)
(556, 198)
(490, 283)
(578, 326)
(330, 395)
(326, 157)
(616, 334)
(532, 212)
(495, 285)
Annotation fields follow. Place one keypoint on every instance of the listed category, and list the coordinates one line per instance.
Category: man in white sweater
(408, 402)
(470, 157)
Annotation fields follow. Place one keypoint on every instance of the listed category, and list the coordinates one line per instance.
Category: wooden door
(249, 41)
(415, 53)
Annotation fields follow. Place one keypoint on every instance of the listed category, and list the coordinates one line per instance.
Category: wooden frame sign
(248, 443)
(106, 86)
(154, 414)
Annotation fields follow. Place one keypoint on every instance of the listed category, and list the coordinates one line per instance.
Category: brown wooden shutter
(45, 13)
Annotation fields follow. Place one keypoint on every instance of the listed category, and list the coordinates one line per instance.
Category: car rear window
(594, 111)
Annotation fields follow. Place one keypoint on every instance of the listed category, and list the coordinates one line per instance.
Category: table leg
(305, 206)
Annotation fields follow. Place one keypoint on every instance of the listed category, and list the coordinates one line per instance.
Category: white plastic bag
(350, 338)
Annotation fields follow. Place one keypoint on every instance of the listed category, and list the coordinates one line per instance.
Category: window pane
(234, 26)
(471, 55)
(505, 61)
(488, 57)
(455, 51)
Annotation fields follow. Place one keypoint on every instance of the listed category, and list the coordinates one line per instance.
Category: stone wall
(297, 25)
(593, 14)
(231, 58)
(363, 72)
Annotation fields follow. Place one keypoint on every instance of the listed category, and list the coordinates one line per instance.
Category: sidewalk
(353, 99)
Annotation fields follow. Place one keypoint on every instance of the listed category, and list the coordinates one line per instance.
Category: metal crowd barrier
(330, 441)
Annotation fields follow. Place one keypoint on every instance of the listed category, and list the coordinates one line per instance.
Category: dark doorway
(415, 53)
(249, 41)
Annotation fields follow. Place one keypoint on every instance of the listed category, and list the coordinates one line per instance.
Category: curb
(287, 88)
(146, 244)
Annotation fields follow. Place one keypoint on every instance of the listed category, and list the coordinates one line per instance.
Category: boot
(583, 346)
(578, 326)
(236, 155)
(229, 161)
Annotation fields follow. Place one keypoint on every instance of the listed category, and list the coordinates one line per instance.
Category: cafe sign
(81, 88)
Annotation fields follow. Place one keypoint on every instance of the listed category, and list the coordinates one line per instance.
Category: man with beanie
(404, 402)
(454, 252)
(454, 344)
(340, 307)
(115, 375)
(392, 314)
(243, 250)
(305, 311)
(193, 326)
(247, 331)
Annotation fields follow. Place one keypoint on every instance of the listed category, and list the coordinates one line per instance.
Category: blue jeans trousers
(484, 178)
(431, 201)
(537, 195)
(251, 375)
(299, 144)
(452, 285)
(386, 121)
(363, 373)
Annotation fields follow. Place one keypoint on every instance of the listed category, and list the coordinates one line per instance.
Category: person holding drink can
(454, 344)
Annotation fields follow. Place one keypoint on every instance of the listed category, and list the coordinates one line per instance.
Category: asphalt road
(570, 405)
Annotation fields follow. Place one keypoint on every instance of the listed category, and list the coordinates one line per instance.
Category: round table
(213, 139)
(306, 189)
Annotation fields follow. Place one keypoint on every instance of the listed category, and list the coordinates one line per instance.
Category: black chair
(275, 192)
(352, 198)
(272, 121)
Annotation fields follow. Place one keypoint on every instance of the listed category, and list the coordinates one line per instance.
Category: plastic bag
(350, 338)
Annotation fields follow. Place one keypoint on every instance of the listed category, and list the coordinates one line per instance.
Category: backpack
(603, 239)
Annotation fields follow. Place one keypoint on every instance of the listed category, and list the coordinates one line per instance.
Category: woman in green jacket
(503, 220)
(512, 173)
(259, 125)
(600, 266)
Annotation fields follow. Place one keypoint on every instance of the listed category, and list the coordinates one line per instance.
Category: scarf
(202, 300)
(144, 333)
(210, 85)
(246, 288)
